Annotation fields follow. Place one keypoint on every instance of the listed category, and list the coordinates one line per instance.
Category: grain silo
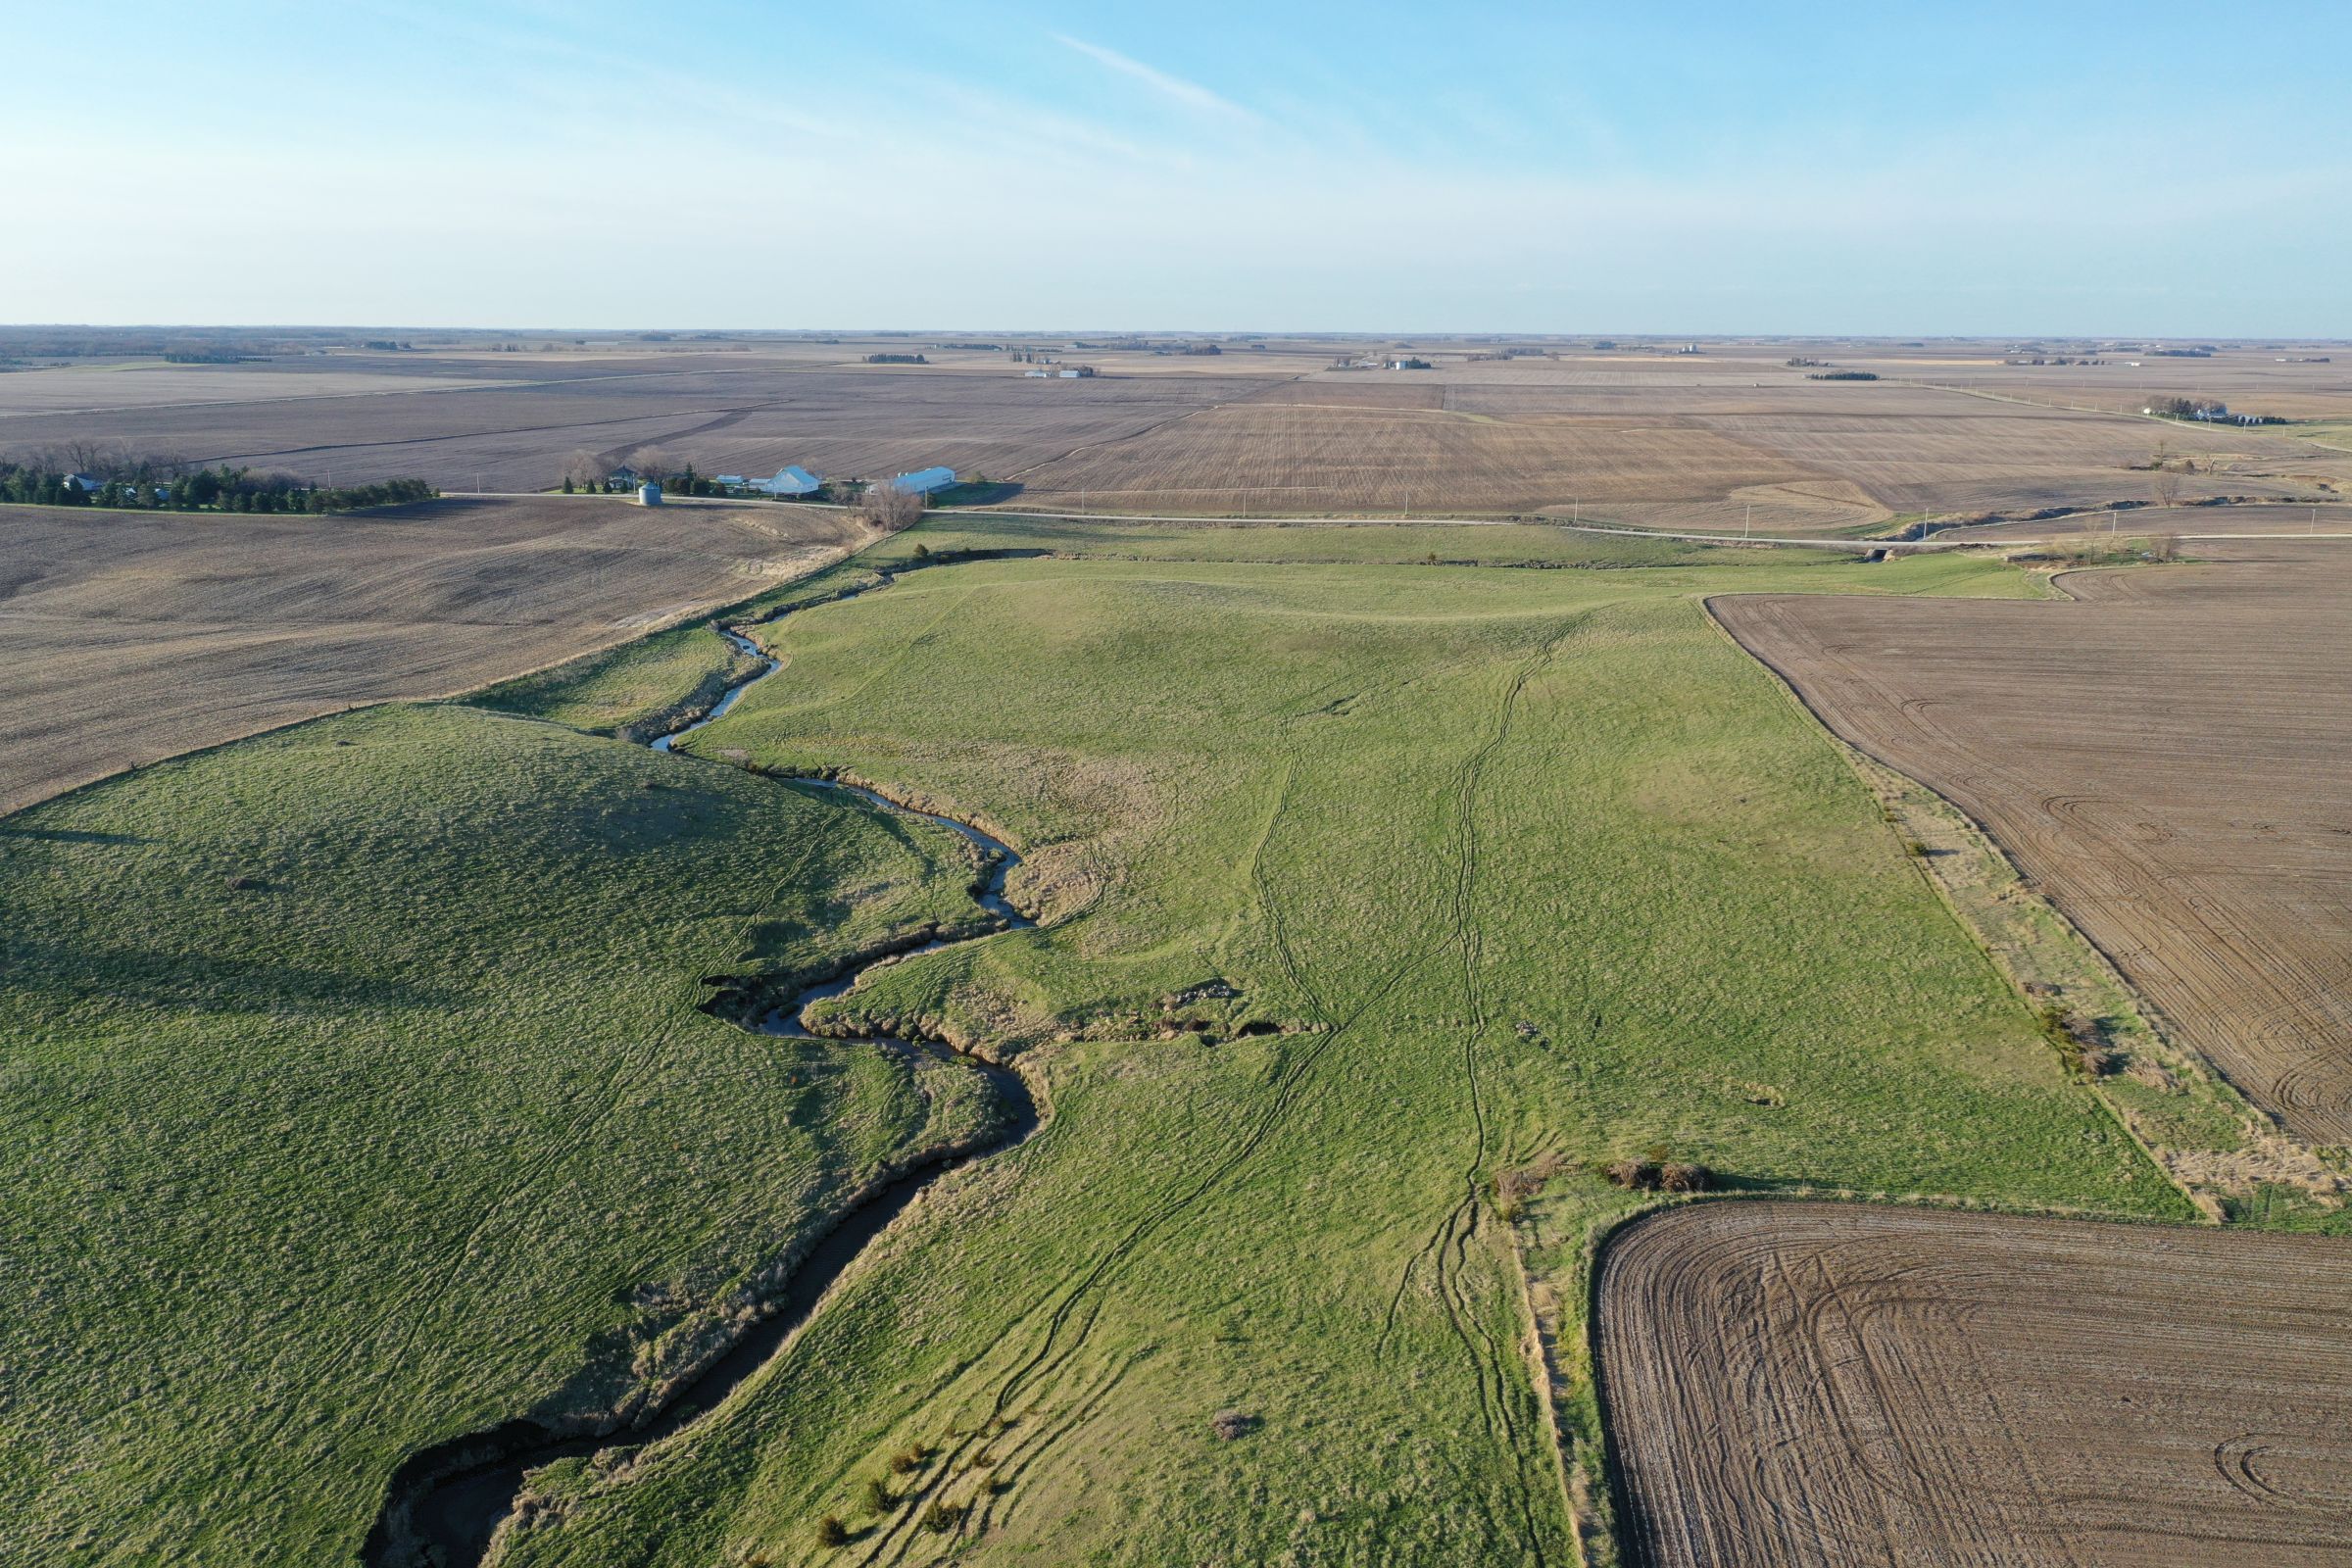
(649, 494)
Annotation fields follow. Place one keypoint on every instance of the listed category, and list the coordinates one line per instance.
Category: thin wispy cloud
(1190, 94)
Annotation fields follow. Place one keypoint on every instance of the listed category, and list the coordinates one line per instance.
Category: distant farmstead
(625, 476)
(925, 481)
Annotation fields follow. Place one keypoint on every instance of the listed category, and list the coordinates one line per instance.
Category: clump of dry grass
(1515, 1187)
(1231, 1425)
(1659, 1175)
(1684, 1176)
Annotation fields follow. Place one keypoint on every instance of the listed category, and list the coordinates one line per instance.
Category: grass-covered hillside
(356, 1098)
(1363, 884)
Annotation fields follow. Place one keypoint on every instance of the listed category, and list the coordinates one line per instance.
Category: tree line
(220, 489)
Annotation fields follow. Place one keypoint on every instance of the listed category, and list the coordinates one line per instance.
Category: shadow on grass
(979, 494)
(71, 835)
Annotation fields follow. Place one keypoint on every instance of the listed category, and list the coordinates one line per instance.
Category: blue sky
(1891, 167)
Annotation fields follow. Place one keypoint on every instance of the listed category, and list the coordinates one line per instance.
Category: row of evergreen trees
(222, 489)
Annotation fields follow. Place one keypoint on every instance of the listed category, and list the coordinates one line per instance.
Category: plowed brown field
(125, 637)
(1720, 441)
(1831, 1384)
(2169, 758)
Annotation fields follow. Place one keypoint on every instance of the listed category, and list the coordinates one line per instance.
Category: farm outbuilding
(926, 482)
(791, 480)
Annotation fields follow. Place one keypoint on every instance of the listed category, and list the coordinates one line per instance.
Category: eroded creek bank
(444, 1505)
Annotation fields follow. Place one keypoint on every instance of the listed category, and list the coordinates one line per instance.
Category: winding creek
(445, 1503)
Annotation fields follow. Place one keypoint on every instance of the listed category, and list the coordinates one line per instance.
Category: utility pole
(1748, 523)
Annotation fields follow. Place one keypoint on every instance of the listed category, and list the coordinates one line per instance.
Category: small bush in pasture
(943, 1517)
(831, 1532)
(241, 883)
(1231, 1424)
(879, 1498)
(911, 1458)
(1515, 1187)
(1682, 1176)
(1634, 1175)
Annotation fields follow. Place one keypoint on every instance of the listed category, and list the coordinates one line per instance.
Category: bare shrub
(879, 1498)
(1515, 1188)
(657, 462)
(1682, 1176)
(1634, 1175)
(1233, 1424)
(943, 1517)
(2165, 547)
(831, 1532)
(890, 507)
(911, 1458)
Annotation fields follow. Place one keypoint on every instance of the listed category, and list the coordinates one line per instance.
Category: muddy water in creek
(445, 1503)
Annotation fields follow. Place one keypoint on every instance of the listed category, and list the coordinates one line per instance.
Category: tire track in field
(724, 421)
(435, 440)
(1447, 1250)
(896, 1541)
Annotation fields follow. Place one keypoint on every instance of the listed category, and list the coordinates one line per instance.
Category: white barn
(926, 482)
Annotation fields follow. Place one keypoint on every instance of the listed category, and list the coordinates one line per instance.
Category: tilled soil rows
(2169, 758)
(1830, 1384)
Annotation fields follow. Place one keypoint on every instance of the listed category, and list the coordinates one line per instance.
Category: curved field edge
(1981, 1389)
(2216, 1139)
(1262, 854)
(2230, 1155)
(365, 1100)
